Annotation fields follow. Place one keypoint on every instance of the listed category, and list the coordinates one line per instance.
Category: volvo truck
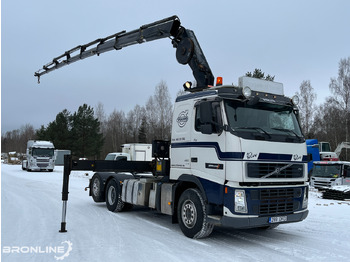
(236, 158)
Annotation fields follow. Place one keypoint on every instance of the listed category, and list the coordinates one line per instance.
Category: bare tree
(164, 107)
(101, 116)
(340, 88)
(306, 105)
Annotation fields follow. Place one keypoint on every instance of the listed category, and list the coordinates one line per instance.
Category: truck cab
(246, 145)
(40, 156)
(330, 173)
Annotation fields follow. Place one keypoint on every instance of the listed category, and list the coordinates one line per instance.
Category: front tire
(192, 215)
(113, 196)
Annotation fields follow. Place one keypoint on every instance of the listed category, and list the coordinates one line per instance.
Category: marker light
(219, 81)
(295, 100)
(247, 92)
(187, 85)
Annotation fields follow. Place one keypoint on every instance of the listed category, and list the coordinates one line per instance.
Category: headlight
(295, 100)
(247, 92)
(306, 197)
(240, 201)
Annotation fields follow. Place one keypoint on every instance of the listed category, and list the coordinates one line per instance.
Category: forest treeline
(90, 132)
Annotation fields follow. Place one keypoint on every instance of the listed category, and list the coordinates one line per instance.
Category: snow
(341, 188)
(31, 215)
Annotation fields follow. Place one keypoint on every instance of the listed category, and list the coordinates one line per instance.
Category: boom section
(184, 40)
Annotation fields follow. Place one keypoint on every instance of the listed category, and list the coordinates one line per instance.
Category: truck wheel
(96, 189)
(192, 215)
(113, 196)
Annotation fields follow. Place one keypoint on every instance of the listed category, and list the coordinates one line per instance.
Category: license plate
(277, 219)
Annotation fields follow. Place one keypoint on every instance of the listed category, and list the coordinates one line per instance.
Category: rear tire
(192, 215)
(113, 196)
(96, 189)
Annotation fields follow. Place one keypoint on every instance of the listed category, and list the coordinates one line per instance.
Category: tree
(163, 106)
(87, 139)
(306, 105)
(340, 88)
(58, 131)
(142, 136)
(260, 75)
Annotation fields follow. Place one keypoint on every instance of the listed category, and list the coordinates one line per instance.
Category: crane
(188, 50)
(341, 146)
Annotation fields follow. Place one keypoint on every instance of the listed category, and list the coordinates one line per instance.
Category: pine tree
(85, 131)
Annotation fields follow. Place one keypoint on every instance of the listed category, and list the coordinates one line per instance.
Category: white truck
(327, 174)
(237, 156)
(134, 152)
(40, 156)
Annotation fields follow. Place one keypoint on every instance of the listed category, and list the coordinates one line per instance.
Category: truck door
(346, 175)
(208, 142)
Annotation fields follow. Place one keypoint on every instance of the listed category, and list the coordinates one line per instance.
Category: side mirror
(206, 118)
(205, 112)
(207, 129)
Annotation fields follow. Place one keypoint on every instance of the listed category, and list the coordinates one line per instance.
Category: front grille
(322, 184)
(43, 160)
(276, 201)
(275, 170)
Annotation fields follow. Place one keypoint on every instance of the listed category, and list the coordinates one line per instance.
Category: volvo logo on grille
(277, 171)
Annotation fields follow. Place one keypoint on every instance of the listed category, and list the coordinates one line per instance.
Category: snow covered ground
(31, 216)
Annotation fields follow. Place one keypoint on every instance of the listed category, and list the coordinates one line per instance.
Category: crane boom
(188, 50)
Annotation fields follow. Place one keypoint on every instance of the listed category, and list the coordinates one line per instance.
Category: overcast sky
(294, 40)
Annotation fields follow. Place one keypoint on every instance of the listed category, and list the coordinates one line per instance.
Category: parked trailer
(236, 157)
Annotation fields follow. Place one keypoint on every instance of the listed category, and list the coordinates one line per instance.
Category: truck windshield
(48, 152)
(332, 171)
(110, 157)
(263, 121)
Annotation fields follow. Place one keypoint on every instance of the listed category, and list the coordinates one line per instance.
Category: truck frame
(236, 158)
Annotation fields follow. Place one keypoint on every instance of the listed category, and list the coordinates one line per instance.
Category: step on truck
(237, 156)
(40, 156)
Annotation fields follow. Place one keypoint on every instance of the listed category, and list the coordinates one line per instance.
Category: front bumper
(251, 222)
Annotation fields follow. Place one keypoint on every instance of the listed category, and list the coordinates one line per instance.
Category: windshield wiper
(289, 131)
(256, 128)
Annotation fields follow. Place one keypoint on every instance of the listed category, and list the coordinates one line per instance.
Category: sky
(295, 40)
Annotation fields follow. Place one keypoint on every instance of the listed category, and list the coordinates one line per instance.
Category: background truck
(236, 158)
(135, 152)
(40, 156)
(327, 174)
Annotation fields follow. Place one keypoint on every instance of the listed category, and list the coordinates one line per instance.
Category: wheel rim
(96, 187)
(111, 195)
(189, 214)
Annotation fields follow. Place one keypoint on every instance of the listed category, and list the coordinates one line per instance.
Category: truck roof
(235, 92)
(40, 143)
